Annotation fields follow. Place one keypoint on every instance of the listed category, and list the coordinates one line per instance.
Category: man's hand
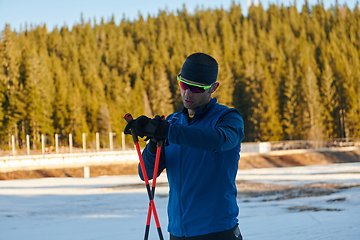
(155, 128)
(137, 125)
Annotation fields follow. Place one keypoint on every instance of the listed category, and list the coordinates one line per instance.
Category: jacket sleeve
(149, 162)
(227, 134)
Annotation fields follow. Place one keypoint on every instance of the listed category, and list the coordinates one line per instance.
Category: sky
(57, 13)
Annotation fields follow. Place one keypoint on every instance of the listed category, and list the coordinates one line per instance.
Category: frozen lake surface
(115, 207)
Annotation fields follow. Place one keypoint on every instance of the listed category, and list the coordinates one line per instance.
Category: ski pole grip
(160, 143)
(128, 118)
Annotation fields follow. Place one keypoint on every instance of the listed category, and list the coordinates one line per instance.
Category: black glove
(155, 128)
(137, 125)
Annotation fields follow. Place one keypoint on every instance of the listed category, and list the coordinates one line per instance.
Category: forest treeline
(292, 73)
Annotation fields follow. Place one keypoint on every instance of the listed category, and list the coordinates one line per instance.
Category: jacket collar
(199, 111)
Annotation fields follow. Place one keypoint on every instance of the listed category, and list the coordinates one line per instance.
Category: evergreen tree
(269, 127)
(311, 96)
(290, 103)
(328, 92)
(11, 105)
(226, 80)
(354, 94)
(37, 92)
(60, 109)
(159, 91)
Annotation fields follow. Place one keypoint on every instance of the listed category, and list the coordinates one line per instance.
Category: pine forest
(294, 74)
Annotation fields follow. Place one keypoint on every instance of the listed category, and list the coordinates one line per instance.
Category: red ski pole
(158, 152)
(128, 118)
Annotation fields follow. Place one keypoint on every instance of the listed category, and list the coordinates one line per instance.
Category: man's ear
(214, 87)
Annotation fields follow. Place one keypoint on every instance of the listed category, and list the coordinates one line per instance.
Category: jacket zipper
(180, 190)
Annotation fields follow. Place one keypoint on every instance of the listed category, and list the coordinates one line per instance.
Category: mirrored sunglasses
(194, 88)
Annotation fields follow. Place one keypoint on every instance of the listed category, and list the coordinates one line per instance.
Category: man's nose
(187, 92)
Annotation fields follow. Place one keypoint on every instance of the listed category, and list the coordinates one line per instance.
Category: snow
(335, 173)
(115, 207)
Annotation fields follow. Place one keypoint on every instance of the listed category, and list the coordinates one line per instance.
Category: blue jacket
(201, 163)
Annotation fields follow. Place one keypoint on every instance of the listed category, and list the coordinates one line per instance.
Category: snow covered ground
(106, 208)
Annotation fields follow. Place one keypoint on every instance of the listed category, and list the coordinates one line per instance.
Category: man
(201, 156)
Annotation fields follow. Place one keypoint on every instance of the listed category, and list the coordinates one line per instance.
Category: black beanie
(200, 68)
